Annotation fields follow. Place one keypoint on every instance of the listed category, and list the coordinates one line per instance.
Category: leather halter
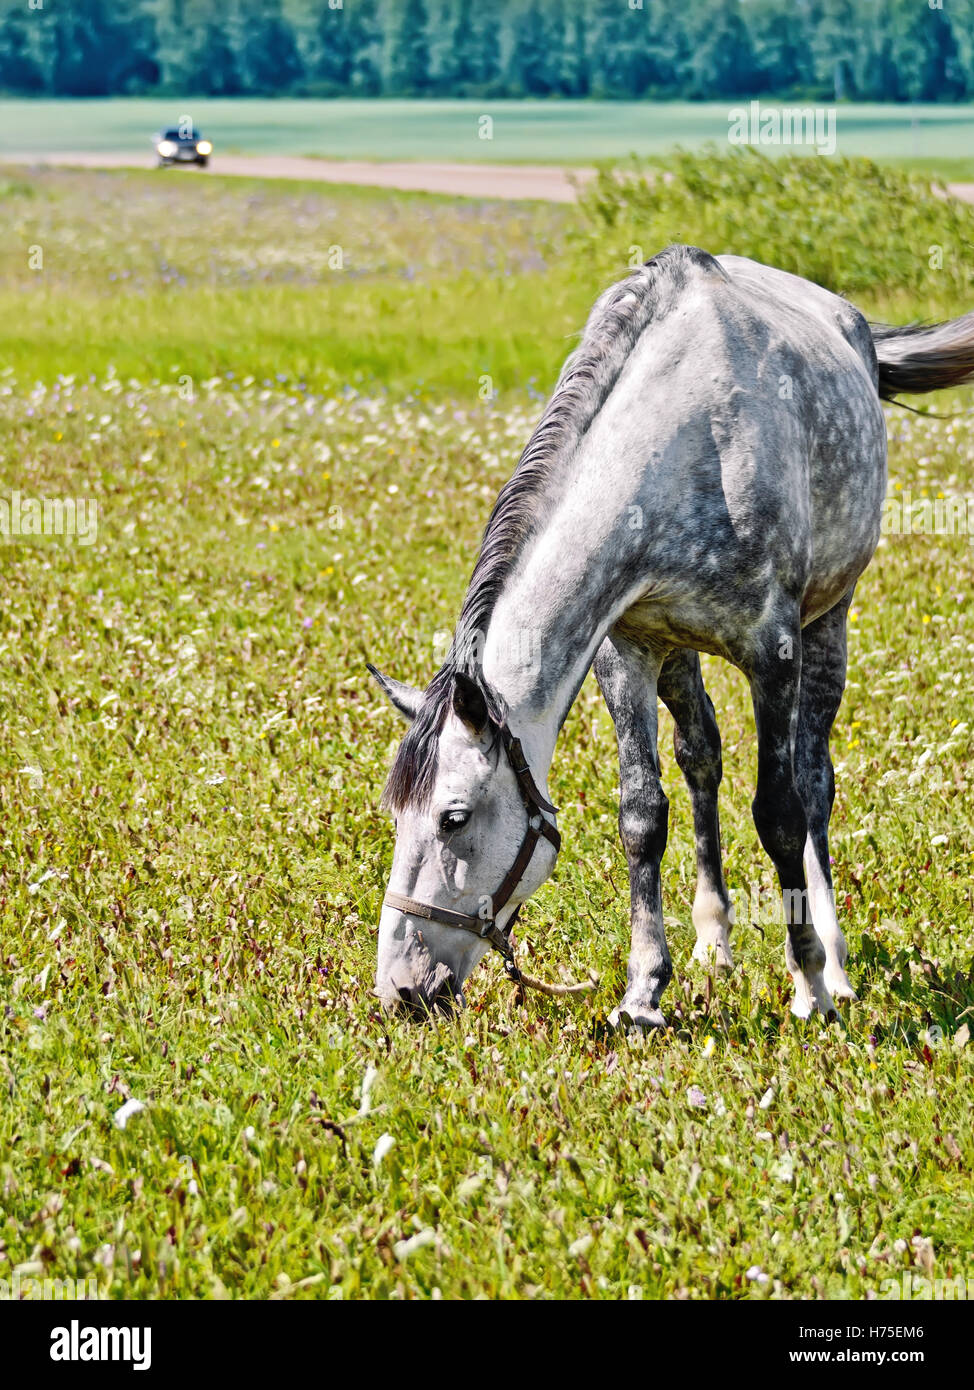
(486, 928)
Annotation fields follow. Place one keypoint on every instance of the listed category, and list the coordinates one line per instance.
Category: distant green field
(939, 137)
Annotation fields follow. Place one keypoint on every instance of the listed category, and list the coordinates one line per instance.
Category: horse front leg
(627, 676)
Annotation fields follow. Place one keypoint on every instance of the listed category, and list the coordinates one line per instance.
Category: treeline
(874, 50)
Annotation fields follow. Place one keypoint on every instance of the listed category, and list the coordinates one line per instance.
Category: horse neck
(544, 632)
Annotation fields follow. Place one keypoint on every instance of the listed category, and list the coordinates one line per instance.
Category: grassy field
(291, 477)
(204, 277)
(552, 132)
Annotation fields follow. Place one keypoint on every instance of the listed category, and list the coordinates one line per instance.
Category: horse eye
(453, 820)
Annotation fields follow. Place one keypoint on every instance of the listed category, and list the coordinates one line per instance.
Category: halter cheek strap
(538, 827)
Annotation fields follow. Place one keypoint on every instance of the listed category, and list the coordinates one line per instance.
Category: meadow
(938, 136)
(292, 465)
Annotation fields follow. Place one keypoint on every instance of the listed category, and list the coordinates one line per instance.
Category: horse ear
(405, 699)
(469, 703)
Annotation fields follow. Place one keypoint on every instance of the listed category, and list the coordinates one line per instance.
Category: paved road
(549, 183)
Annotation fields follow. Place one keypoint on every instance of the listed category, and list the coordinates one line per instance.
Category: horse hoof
(812, 996)
(714, 956)
(805, 1011)
(632, 1018)
(840, 989)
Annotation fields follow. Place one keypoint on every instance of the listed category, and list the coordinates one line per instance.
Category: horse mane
(614, 326)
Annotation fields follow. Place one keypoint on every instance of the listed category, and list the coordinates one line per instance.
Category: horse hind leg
(696, 743)
(779, 812)
(627, 677)
(822, 685)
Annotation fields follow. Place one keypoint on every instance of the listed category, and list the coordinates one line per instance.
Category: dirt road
(548, 183)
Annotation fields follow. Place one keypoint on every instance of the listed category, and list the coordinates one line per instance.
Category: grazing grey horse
(708, 476)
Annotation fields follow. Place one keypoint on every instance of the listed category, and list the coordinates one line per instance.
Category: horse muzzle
(436, 993)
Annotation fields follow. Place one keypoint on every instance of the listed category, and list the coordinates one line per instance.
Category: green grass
(193, 857)
(171, 278)
(938, 137)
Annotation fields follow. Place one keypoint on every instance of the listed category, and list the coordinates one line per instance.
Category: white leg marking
(712, 922)
(822, 902)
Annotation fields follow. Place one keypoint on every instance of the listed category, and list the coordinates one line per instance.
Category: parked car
(182, 147)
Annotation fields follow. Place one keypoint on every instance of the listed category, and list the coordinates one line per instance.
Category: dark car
(182, 147)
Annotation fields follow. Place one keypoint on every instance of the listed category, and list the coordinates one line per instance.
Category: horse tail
(924, 357)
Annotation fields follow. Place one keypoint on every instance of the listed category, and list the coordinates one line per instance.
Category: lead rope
(554, 991)
(524, 982)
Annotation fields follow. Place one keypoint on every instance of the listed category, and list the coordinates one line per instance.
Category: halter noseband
(486, 928)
